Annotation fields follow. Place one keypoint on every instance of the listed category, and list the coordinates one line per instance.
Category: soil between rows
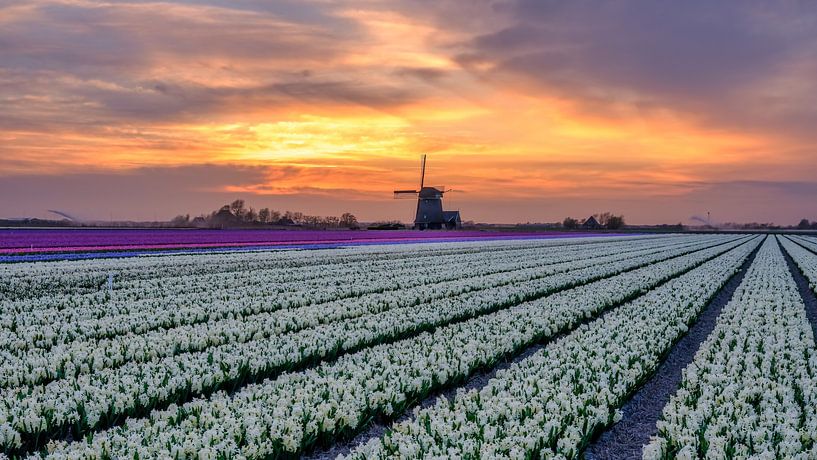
(625, 439)
(478, 380)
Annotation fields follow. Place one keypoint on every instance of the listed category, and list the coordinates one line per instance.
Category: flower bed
(298, 409)
(752, 389)
(550, 404)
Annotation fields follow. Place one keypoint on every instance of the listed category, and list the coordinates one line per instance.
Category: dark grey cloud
(706, 58)
(63, 65)
(351, 92)
(68, 39)
(165, 101)
(782, 202)
(791, 189)
(667, 47)
(723, 62)
(427, 74)
(101, 41)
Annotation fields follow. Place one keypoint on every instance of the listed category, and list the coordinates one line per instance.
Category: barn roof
(451, 216)
(591, 222)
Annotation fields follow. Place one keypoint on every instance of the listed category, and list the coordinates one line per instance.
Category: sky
(531, 110)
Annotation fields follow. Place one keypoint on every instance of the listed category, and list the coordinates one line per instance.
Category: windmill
(430, 214)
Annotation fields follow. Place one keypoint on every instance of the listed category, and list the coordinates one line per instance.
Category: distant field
(666, 346)
(43, 244)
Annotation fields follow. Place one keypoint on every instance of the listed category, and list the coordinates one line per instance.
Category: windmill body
(430, 214)
(429, 209)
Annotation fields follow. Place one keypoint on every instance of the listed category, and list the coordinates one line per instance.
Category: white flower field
(305, 353)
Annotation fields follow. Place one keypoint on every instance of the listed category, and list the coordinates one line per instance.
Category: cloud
(713, 61)
(429, 74)
(86, 38)
(657, 105)
(173, 62)
(790, 189)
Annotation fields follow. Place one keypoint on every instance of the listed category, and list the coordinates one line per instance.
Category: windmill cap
(431, 192)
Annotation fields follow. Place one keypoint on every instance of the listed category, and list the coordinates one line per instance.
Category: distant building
(591, 224)
(199, 222)
(452, 219)
(224, 218)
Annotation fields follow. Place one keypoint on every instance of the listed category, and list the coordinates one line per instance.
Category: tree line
(606, 220)
(806, 225)
(238, 213)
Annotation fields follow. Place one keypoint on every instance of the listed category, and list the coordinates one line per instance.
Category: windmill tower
(430, 214)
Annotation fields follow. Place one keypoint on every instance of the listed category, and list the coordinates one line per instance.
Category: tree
(804, 224)
(348, 220)
(309, 221)
(603, 218)
(274, 216)
(237, 208)
(250, 215)
(264, 215)
(609, 220)
(615, 222)
(180, 220)
(570, 223)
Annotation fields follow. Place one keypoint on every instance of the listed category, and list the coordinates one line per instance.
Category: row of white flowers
(63, 324)
(294, 410)
(35, 365)
(808, 242)
(278, 286)
(195, 302)
(549, 404)
(58, 279)
(751, 390)
(40, 279)
(805, 260)
(91, 399)
(224, 271)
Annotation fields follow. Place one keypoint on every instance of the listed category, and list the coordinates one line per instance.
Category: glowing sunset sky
(533, 110)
